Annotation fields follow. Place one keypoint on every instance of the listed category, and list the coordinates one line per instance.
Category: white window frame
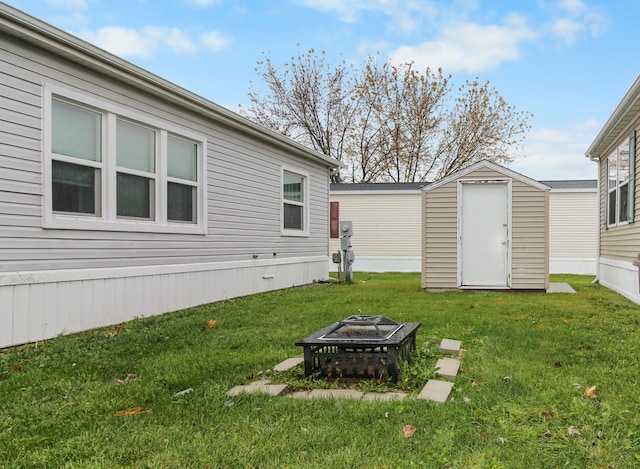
(107, 219)
(304, 232)
(616, 189)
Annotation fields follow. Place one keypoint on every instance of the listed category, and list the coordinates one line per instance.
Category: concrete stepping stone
(448, 367)
(288, 364)
(262, 386)
(335, 394)
(450, 346)
(437, 391)
(383, 396)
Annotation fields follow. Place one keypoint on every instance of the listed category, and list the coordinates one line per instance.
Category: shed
(485, 227)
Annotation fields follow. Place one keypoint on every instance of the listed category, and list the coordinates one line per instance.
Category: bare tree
(387, 123)
(308, 101)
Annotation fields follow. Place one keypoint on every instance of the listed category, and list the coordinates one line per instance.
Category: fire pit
(359, 347)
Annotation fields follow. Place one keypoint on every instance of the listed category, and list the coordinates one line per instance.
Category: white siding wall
(573, 231)
(386, 229)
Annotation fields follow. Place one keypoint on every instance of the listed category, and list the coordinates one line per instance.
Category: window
(109, 169)
(620, 183)
(76, 146)
(294, 203)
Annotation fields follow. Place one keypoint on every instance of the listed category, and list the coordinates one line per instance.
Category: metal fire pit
(359, 347)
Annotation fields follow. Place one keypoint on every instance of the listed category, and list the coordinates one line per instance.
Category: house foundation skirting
(39, 305)
(557, 265)
(621, 277)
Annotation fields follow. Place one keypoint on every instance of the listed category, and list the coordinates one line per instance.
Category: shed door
(484, 234)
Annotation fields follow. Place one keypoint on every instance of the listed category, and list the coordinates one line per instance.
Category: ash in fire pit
(359, 347)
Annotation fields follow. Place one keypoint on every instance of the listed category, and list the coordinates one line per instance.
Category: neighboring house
(485, 227)
(123, 195)
(387, 225)
(614, 149)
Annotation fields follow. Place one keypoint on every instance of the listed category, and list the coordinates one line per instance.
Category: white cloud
(558, 153)
(204, 3)
(575, 18)
(405, 15)
(70, 4)
(469, 47)
(141, 43)
(215, 40)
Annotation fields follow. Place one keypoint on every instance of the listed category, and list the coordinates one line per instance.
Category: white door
(483, 229)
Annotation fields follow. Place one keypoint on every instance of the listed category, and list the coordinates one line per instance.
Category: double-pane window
(182, 180)
(293, 195)
(619, 184)
(136, 172)
(76, 165)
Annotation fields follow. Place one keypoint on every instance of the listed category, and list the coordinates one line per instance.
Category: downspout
(595, 159)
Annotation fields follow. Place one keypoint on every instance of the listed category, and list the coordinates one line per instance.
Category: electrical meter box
(346, 228)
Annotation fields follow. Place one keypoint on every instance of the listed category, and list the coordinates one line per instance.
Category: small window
(294, 201)
(182, 172)
(76, 166)
(135, 158)
(618, 183)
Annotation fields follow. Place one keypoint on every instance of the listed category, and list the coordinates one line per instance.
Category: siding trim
(73, 275)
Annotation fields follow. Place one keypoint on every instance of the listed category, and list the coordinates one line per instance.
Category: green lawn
(528, 361)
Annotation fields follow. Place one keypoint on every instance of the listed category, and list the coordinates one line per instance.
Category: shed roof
(488, 165)
(29, 29)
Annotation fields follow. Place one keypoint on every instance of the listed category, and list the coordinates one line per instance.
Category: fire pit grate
(359, 347)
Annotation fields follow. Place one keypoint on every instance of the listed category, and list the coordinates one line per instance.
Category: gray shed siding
(529, 237)
(244, 178)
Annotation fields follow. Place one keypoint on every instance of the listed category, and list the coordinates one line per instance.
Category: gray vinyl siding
(529, 239)
(440, 255)
(244, 181)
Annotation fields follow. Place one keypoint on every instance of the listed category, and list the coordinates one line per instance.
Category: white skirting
(557, 265)
(40, 305)
(566, 265)
(384, 264)
(621, 277)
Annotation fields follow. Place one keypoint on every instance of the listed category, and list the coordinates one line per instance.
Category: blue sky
(568, 62)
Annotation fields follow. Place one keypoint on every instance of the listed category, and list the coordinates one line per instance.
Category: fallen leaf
(132, 411)
(484, 434)
(600, 326)
(16, 368)
(501, 441)
(590, 392)
(573, 431)
(547, 414)
(213, 323)
(566, 321)
(545, 435)
(409, 430)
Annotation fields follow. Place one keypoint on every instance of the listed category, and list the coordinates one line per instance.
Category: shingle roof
(408, 186)
(378, 186)
(572, 184)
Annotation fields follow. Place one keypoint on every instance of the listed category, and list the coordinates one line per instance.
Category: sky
(567, 62)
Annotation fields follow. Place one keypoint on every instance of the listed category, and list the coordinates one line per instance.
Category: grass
(528, 360)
